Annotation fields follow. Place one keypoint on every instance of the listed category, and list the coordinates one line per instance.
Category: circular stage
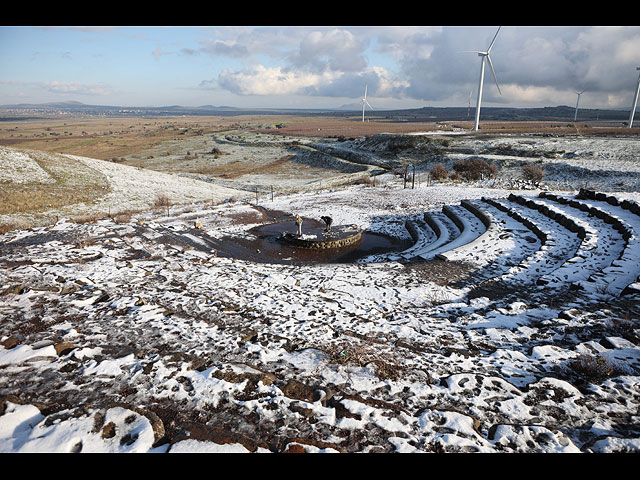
(317, 238)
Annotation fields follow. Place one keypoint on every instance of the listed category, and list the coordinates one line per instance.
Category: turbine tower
(576, 115)
(484, 56)
(364, 102)
(635, 102)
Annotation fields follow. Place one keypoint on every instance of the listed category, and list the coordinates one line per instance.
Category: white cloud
(260, 80)
(76, 88)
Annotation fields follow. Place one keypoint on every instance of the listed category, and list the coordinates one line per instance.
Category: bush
(439, 172)
(594, 368)
(475, 169)
(162, 200)
(532, 172)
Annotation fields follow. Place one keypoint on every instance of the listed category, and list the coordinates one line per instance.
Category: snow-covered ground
(138, 337)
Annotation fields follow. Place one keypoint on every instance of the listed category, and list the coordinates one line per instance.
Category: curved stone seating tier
(587, 242)
(432, 231)
(600, 245)
(558, 244)
(506, 243)
(421, 233)
(469, 225)
(478, 249)
(468, 228)
(621, 276)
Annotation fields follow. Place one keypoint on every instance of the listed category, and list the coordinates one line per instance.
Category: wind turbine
(576, 115)
(484, 56)
(635, 101)
(364, 102)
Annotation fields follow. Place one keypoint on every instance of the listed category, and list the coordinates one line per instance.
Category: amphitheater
(508, 325)
(587, 242)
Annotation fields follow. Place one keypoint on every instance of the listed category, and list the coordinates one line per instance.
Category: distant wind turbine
(576, 115)
(469, 104)
(364, 102)
(483, 56)
(635, 101)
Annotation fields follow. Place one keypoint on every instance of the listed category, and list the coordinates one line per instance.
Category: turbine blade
(494, 39)
(369, 105)
(493, 73)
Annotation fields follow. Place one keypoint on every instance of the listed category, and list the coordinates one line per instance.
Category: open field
(103, 138)
(106, 138)
(507, 322)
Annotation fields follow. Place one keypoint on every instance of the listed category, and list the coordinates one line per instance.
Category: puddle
(264, 246)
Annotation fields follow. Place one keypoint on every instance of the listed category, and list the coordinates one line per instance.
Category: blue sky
(317, 67)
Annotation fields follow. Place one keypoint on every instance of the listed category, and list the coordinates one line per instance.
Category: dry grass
(105, 138)
(27, 199)
(72, 183)
(8, 227)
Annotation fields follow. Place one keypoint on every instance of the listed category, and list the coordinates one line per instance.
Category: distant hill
(561, 113)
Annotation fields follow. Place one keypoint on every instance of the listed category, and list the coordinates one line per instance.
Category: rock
(102, 298)
(68, 288)
(15, 289)
(298, 391)
(295, 448)
(109, 430)
(267, 379)
(10, 343)
(63, 348)
(248, 336)
(156, 423)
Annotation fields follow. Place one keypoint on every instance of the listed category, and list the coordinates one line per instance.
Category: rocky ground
(148, 334)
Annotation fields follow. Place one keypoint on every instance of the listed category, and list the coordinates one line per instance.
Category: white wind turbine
(576, 115)
(635, 102)
(483, 56)
(364, 102)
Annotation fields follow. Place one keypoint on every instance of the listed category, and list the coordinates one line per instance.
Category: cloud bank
(534, 65)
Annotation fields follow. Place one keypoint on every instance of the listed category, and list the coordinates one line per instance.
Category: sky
(322, 67)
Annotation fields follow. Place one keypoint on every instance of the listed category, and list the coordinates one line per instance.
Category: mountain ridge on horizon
(426, 113)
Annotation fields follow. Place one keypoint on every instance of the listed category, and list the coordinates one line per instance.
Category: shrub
(594, 368)
(7, 227)
(475, 169)
(439, 172)
(532, 172)
(162, 200)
